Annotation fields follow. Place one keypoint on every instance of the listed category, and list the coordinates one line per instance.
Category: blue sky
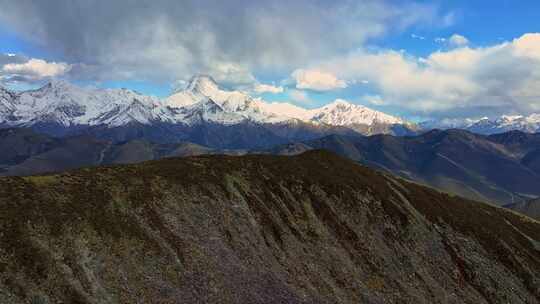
(419, 60)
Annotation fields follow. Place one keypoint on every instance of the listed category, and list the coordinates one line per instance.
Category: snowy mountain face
(68, 105)
(342, 113)
(203, 96)
(505, 123)
(201, 101)
(244, 107)
(6, 105)
(529, 124)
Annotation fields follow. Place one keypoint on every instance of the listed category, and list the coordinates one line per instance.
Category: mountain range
(312, 228)
(525, 123)
(201, 113)
(502, 168)
(62, 126)
(197, 112)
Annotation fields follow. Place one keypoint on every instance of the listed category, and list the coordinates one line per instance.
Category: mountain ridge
(504, 123)
(313, 228)
(501, 169)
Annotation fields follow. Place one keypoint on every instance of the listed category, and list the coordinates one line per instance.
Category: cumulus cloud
(317, 80)
(267, 88)
(458, 40)
(465, 81)
(19, 68)
(231, 74)
(165, 40)
(37, 68)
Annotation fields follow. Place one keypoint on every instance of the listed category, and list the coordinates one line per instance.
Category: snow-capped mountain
(67, 105)
(6, 105)
(240, 106)
(528, 124)
(197, 111)
(204, 100)
(485, 125)
(343, 113)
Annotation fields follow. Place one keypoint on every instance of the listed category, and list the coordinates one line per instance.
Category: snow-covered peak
(5, 94)
(60, 102)
(485, 125)
(202, 100)
(205, 87)
(203, 84)
(59, 84)
(452, 123)
(510, 118)
(343, 113)
(199, 87)
(285, 110)
(340, 103)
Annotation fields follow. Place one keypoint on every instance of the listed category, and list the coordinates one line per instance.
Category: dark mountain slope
(475, 166)
(25, 152)
(19, 144)
(313, 228)
(68, 153)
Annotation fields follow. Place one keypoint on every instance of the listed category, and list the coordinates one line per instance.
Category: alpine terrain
(201, 113)
(312, 228)
(502, 168)
(505, 123)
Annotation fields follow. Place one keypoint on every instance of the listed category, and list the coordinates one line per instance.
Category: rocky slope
(314, 228)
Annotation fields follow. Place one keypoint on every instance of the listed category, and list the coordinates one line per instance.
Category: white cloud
(457, 40)
(231, 74)
(35, 69)
(414, 36)
(528, 45)
(502, 78)
(317, 80)
(165, 40)
(267, 88)
(299, 96)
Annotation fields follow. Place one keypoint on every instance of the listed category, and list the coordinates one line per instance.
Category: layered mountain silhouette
(313, 228)
(503, 168)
